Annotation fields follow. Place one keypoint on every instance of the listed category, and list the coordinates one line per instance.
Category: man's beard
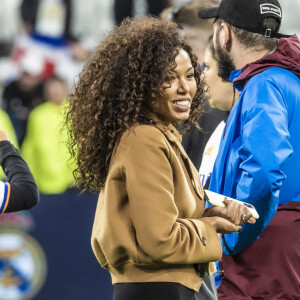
(225, 62)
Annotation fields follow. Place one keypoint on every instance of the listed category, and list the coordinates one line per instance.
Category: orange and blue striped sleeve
(4, 195)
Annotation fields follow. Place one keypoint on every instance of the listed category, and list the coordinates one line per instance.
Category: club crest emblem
(22, 265)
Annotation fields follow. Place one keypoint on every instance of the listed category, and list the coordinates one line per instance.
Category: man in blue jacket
(259, 156)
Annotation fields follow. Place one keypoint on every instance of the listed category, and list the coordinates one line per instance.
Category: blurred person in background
(47, 29)
(6, 125)
(126, 8)
(20, 191)
(24, 93)
(50, 21)
(197, 33)
(9, 24)
(64, 32)
(44, 146)
(150, 229)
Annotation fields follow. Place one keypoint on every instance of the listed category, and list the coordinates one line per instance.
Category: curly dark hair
(117, 88)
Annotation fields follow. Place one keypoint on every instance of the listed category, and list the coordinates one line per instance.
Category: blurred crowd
(43, 46)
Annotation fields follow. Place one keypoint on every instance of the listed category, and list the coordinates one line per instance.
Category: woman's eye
(190, 75)
(204, 66)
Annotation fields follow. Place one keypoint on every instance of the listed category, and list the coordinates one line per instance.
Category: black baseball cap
(247, 15)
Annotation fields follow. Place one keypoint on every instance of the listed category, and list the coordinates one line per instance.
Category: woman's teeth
(182, 103)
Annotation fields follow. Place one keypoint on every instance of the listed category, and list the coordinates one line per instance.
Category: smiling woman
(149, 231)
(176, 102)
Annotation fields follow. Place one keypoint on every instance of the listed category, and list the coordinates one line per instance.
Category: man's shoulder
(276, 81)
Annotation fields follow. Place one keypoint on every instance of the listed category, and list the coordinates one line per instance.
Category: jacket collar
(233, 76)
(173, 136)
(286, 56)
(169, 130)
(171, 133)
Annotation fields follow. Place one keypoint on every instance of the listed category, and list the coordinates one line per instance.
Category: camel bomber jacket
(148, 225)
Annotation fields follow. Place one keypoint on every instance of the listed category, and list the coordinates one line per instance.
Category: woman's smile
(176, 103)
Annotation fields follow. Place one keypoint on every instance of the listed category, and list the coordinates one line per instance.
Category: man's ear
(226, 36)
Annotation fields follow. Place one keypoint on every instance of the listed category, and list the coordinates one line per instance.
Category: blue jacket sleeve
(265, 147)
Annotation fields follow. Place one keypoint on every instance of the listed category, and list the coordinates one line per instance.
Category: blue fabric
(217, 274)
(50, 41)
(5, 196)
(259, 155)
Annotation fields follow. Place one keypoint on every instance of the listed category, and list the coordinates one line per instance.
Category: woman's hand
(234, 212)
(4, 136)
(222, 225)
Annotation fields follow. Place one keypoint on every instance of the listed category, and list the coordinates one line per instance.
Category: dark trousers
(152, 291)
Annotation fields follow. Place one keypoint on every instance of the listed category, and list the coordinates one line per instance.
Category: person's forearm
(23, 190)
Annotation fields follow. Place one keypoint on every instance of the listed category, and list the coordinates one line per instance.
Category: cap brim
(208, 13)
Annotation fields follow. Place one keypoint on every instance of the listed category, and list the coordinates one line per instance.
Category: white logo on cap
(270, 9)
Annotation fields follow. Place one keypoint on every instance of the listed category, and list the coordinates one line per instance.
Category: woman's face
(177, 99)
(219, 93)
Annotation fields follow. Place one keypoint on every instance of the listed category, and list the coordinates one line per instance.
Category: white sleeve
(210, 153)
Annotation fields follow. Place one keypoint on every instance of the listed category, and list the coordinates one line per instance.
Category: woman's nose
(183, 86)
